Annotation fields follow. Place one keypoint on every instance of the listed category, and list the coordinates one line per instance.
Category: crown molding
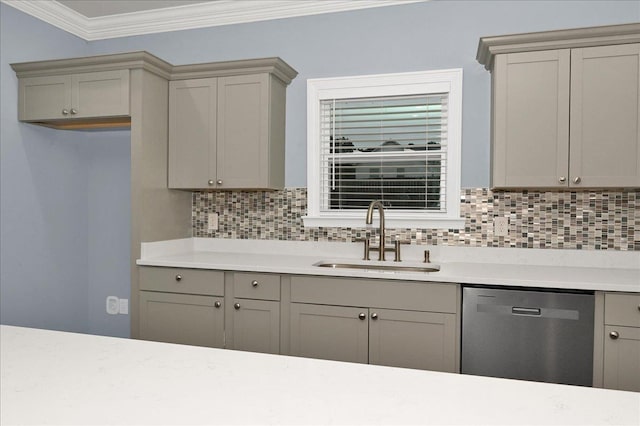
(210, 14)
(488, 47)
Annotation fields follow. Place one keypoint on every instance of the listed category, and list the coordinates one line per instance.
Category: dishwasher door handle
(516, 310)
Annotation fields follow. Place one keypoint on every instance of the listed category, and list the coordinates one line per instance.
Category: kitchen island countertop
(51, 377)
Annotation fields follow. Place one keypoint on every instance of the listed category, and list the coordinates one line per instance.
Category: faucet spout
(369, 220)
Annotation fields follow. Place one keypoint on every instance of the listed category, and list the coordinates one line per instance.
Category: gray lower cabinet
(414, 325)
(422, 340)
(74, 96)
(180, 305)
(622, 342)
(338, 333)
(255, 318)
(256, 326)
(182, 318)
(383, 322)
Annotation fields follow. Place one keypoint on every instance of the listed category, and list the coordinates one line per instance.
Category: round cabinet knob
(236, 306)
(65, 112)
(562, 179)
(178, 277)
(210, 182)
(219, 181)
(362, 316)
(614, 335)
(217, 304)
(577, 179)
(254, 283)
(374, 316)
(74, 111)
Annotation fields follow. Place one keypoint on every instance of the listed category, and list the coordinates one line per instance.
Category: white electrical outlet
(113, 305)
(212, 222)
(124, 306)
(501, 226)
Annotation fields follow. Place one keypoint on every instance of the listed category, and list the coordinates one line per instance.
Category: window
(393, 137)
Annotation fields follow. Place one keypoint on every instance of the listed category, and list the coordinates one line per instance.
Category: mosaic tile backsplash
(593, 220)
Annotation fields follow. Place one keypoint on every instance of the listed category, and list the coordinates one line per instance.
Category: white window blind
(391, 148)
(390, 137)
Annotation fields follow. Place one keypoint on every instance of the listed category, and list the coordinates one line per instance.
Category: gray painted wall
(64, 196)
(43, 190)
(64, 206)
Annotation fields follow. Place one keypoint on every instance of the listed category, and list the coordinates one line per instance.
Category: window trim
(398, 84)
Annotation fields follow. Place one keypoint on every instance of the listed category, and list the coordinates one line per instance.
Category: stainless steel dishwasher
(543, 336)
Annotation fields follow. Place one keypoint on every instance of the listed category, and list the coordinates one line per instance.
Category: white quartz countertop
(546, 268)
(51, 377)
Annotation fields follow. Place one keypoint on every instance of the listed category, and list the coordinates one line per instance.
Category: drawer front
(182, 280)
(247, 285)
(391, 294)
(622, 309)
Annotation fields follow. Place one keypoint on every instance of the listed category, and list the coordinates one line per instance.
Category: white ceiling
(103, 19)
(95, 9)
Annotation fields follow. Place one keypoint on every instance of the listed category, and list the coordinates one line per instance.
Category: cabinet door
(605, 116)
(531, 119)
(256, 326)
(192, 133)
(44, 98)
(182, 318)
(329, 332)
(243, 131)
(622, 358)
(423, 340)
(100, 94)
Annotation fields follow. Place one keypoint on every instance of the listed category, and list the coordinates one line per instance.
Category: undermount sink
(377, 266)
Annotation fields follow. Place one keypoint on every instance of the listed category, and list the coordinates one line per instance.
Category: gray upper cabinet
(226, 131)
(74, 96)
(565, 108)
(531, 119)
(604, 131)
(193, 106)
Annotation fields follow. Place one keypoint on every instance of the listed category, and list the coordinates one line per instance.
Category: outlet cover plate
(212, 222)
(501, 226)
(113, 305)
(124, 307)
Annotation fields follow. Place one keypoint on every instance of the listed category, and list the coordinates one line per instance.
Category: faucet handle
(366, 249)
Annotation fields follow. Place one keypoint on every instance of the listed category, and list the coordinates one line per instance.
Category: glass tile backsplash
(591, 220)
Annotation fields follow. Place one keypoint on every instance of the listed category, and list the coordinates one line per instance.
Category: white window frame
(399, 84)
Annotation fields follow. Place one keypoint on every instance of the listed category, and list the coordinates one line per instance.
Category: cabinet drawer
(256, 286)
(622, 309)
(181, 280)
(375, 293)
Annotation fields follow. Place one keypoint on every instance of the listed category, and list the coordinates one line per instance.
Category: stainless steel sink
(378, 266)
